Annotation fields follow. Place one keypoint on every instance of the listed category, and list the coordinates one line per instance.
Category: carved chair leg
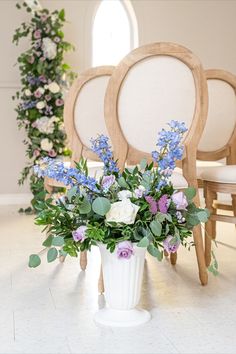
(101, 283)
(234, 204)
(210, 227)
(166, 254)
(83, 260)
(197, 236)
(173, 258)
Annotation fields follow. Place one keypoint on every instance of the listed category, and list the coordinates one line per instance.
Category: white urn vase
(122, 282)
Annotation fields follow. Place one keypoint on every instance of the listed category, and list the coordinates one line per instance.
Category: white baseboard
(15, 199)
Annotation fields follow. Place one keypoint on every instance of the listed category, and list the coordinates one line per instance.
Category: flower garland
(44, 79)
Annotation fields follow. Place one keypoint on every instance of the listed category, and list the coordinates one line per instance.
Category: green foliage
(101, 206)
(81, 219)
(52, 254)
(34, 261)
(37, 70)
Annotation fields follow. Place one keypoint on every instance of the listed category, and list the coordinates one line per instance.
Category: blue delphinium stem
(169, 151)
(68, 176)
(102, 149)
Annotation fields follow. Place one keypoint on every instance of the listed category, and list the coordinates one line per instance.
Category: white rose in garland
(49, 48)
(53, 87)
(40, 105)
(44, 125)
(46, 144)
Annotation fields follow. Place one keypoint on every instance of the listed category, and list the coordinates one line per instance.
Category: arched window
(115, 32)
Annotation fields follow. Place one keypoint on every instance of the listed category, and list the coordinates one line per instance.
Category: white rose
(124, 194)
(46, 145)
(45, 125)
(54, 87)
(55, 119)
(28, 93)
(49, 48)
(123, 211)
(41, 90)
(40, 105)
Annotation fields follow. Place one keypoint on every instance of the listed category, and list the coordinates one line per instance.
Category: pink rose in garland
(79, 234)
(125, 249)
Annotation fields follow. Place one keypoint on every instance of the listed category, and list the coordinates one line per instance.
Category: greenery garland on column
(44, 79)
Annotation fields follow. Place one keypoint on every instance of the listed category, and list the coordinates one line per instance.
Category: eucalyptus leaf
(143, 164)
(153, 250)
(190, 193)
(156, 227)
(71, 192)
(202, 216)
(34, 261)
(85, 207)
(144, 242)
(122, 182)
(58, 241)
(160, 217)
(52, 254)
(48, 241)
(101, 206)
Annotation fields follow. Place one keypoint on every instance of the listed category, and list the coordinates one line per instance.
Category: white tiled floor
(50, 309)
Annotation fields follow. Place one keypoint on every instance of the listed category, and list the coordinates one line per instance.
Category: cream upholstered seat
(221, 174)
(84, 119)
(202, 165)
(151, 86)
(218, 142)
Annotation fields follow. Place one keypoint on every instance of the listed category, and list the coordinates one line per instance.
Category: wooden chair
(83, 119)
(152, 85)
(219, 141)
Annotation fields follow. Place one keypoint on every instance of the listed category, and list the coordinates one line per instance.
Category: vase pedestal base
(121, 318)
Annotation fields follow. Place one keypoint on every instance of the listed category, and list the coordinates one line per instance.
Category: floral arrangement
(44, 79)
(138, 205)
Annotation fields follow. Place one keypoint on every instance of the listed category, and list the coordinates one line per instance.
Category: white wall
(207, 27)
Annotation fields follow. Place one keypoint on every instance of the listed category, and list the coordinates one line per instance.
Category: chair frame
(228, 151)
(125, 153)
(75, 143)
(211, 188)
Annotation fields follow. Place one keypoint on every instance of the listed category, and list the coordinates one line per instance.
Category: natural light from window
(111, 33)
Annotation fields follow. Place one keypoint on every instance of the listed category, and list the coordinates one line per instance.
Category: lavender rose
(171, 245)
(107, 182)
(79, 234)
(180, 200)
(125, 250)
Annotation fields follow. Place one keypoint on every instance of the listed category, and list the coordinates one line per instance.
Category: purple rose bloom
(79, 234)
(169, 245)
(125, 250)
(52, 153)
(59, 102)
(37, 94)
(37, 34)
(152, 204)
(107, 182)
(163, 203)
(43, 79)
(48, 97)
(180, 200)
